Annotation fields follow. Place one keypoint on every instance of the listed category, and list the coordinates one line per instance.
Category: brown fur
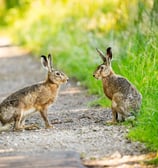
(16, 107)
(124, 96)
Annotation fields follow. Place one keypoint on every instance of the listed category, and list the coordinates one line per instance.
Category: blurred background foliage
(72, 29)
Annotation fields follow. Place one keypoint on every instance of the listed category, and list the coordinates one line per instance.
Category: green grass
(152, 162)
(71, 31)
(146, 129)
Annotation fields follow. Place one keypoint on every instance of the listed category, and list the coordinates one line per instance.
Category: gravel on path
(77, 127)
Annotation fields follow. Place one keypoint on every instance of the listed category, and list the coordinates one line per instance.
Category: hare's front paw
(111, 122)
(49, 126)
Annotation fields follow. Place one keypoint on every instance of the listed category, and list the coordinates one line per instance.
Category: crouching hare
(15, 108)
(124, 96)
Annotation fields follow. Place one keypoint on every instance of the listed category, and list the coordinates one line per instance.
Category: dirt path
(77, 127)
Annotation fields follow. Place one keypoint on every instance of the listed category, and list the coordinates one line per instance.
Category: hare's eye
(101, 67)
(57, 73)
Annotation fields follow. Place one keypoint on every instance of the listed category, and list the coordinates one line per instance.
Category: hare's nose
(93, 75)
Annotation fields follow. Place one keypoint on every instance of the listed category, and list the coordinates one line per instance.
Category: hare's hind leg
(18, 120)
(28, 127)
(44, 115)
(117, 107)
(31, 127)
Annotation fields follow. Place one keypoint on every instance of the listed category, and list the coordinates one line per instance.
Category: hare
(125, 98)
(16, 107)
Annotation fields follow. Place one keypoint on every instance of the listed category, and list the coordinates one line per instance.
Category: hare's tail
(1, 119)
(6, 127)
(3, 126)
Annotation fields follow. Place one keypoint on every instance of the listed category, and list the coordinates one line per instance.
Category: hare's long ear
(109, 53)
(50, 62)
(101, 55)
(44, 62)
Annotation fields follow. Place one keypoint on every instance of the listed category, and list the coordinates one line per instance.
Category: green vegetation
(153, 162)
(71, 30)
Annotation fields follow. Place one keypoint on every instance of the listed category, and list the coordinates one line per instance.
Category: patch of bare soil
(77, 127)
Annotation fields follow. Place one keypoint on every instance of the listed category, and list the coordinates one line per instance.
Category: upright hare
(15, 108)
(124, 96)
